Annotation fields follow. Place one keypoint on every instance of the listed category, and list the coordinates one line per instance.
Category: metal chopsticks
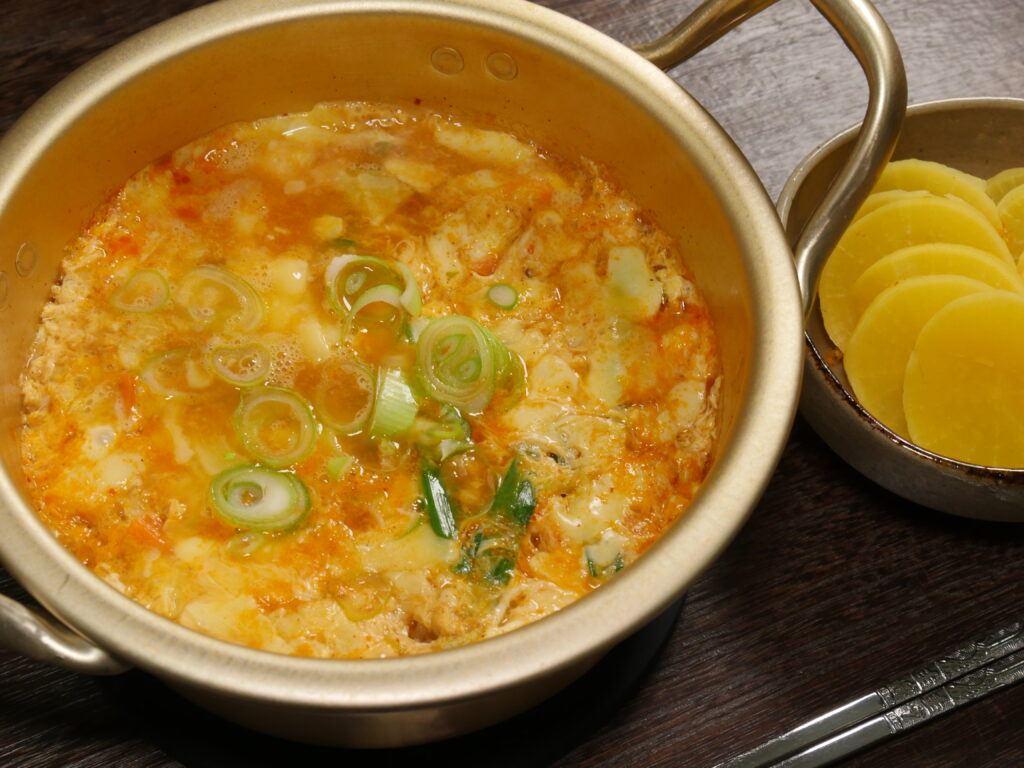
(963, 675)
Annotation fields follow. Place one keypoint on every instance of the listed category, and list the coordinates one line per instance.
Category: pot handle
(867, 36)
(32, 634)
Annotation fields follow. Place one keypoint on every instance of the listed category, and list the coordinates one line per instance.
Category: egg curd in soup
(367, 381)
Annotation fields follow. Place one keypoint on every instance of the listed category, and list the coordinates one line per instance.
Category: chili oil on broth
(167, 422)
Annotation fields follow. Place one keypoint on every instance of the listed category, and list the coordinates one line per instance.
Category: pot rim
(582, 629)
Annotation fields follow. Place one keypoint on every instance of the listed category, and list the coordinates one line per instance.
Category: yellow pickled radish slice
(963, 390)
(876, 357)
(933, 259)
(1003, 182)
(940, 180)
(1011, 208)
(899, 224)
(876, 200)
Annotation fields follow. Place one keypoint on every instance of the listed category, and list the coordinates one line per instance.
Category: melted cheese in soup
(367, 381)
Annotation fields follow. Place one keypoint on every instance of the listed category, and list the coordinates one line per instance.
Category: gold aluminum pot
(571, 87)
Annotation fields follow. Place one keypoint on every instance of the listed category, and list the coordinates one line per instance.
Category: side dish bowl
(981, 136)
(571, 87)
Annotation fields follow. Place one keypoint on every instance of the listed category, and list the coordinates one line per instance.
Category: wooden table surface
(834, 587)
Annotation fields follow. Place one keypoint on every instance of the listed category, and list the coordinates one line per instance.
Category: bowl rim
(594, 623)
(817, 357)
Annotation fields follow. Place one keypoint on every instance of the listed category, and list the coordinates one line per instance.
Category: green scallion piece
(500, 571)
(395, 406)
(459, 362)
(386, 295)
(338, 465)
(245, 365)
(259, 499)
(345, 394)
(145, 290)
(275, 425)
(410, 291)
(599, 569)
(439, 505)
(217, 298)
(503, 295)
(176, 373)
(350, 276)
(515, 498)
(412, 527)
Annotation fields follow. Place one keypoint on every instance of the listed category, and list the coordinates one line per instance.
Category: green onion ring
(460, 362)
(503, 295)
(502, 357)
(259, 499)
(245, 365)
(379, 294)
(275, 425)
(176, 373)
(215, 297)
(411, 292)
(341, 301)
(145, 290)
(338, 465)
(354, 282)
(344, 380)
(395, 406)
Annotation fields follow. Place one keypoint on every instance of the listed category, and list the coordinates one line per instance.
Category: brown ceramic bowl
(981, 136)
(571, 87)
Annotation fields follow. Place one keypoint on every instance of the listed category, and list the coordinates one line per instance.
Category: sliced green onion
(415, 524)
(246, 543)
(394, 409)
(411, 291)
(387, 295)
(354, 283)
(275, 425)
(500, 570)
(217, 298)
(515, 498)
(502, 357)
(598, 569)
(444, 438)
(489, 552)
(448, 448)
(503, 295)
(144, 291)
(260, 499)
(177, 373)
(242, 366)
(458, 362)
(415, 328)
(338, 465)
(344, 395)
(350, 275)
(439, 504)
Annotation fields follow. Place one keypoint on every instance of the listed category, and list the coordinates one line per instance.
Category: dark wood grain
(834, 586)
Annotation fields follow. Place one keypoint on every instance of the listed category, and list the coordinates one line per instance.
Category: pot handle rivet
(447, 60)
(26, 259)
(502, 66)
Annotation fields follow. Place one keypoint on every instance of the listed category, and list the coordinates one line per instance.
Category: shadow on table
(198, 739)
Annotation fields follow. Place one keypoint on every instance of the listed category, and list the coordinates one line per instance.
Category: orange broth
(595, 428)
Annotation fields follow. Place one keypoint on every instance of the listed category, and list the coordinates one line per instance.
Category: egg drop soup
(367, 381)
